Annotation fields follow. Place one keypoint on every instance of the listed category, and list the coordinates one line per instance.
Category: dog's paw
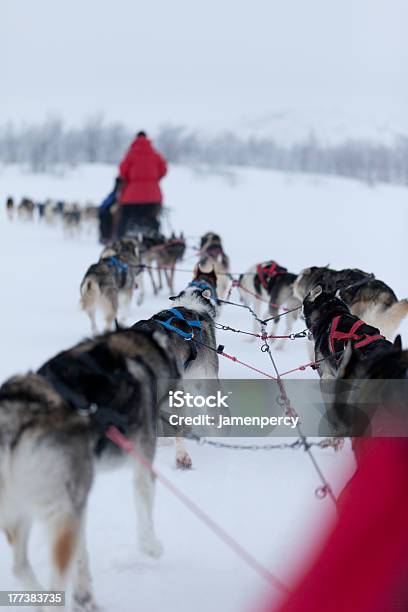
(84, 602)
(152, 547)
(183, 461)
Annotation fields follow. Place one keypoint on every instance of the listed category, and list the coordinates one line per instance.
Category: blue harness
(113, 261)
(176, 314)
(204, 286)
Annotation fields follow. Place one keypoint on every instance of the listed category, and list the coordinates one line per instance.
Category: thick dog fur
(202, 305)
(367, 385)
(368, 298)
(278, 293)
(49, 448)
(319, 309)
(110, 280)
(196, 357)
(349, 408)
(213, 257)
(25, 210)
(163, 252)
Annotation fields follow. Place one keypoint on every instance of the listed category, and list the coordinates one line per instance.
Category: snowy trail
(264, 499)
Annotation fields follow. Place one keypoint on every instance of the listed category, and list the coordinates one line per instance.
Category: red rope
(127, 445)
(247, 365)
(258, 297)
(311, 364)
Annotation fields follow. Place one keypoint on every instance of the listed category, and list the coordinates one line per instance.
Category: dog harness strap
(267, 271)
(113, 261)
(368, 340)
(178, 315)
(364, 339)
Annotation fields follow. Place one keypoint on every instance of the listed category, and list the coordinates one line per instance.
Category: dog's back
(52, 428)
(333, 327)
(368, 298)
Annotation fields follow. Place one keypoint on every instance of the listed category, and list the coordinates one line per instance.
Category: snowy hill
(330, 126)
(265, 499)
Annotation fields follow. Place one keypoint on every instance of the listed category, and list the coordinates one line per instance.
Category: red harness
(363, 339)
(268, 271)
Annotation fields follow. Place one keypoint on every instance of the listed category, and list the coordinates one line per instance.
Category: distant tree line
(49, 145)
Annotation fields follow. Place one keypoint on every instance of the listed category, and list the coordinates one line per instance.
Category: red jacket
(141, 170)
(363, 566)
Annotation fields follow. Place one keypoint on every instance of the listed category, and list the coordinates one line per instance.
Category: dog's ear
(315, 292)
(398, 343)
(206, 294)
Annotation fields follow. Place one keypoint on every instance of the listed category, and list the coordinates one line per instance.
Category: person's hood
(141, 142)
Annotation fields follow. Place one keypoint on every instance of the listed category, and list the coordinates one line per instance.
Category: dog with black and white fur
(190, 327)
(368, 298)
(10, 208)
(110, 283)
(267, 287)
(52, 439)
(333, 326)
(213, 257)
(371, 390)
(163, 254)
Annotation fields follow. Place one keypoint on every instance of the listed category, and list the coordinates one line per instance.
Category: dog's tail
(90, 292)
(389, 319)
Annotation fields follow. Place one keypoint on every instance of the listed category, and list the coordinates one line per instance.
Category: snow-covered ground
(264, 499)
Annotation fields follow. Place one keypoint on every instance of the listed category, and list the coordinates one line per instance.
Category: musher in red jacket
(140, 197)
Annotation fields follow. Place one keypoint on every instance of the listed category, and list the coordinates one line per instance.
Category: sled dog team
(53, 421)
(73, 215)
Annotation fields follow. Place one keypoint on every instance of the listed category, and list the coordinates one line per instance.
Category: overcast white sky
(201, 63)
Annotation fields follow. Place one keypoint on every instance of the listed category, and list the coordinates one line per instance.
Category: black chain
(296, 445)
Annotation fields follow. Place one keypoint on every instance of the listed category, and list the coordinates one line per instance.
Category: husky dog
(368, 298)
(149, 244)
(52, 428)
(212, 256)
(25, 210)
(113, 277)
(272, 284)
(167, 256)
(71, 219)
(332, 327)
(10, 207)
(367, 383)
(190, 327)
(165, 253)
(194, 321)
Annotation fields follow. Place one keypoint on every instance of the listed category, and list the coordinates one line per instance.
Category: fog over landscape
(280, 70)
